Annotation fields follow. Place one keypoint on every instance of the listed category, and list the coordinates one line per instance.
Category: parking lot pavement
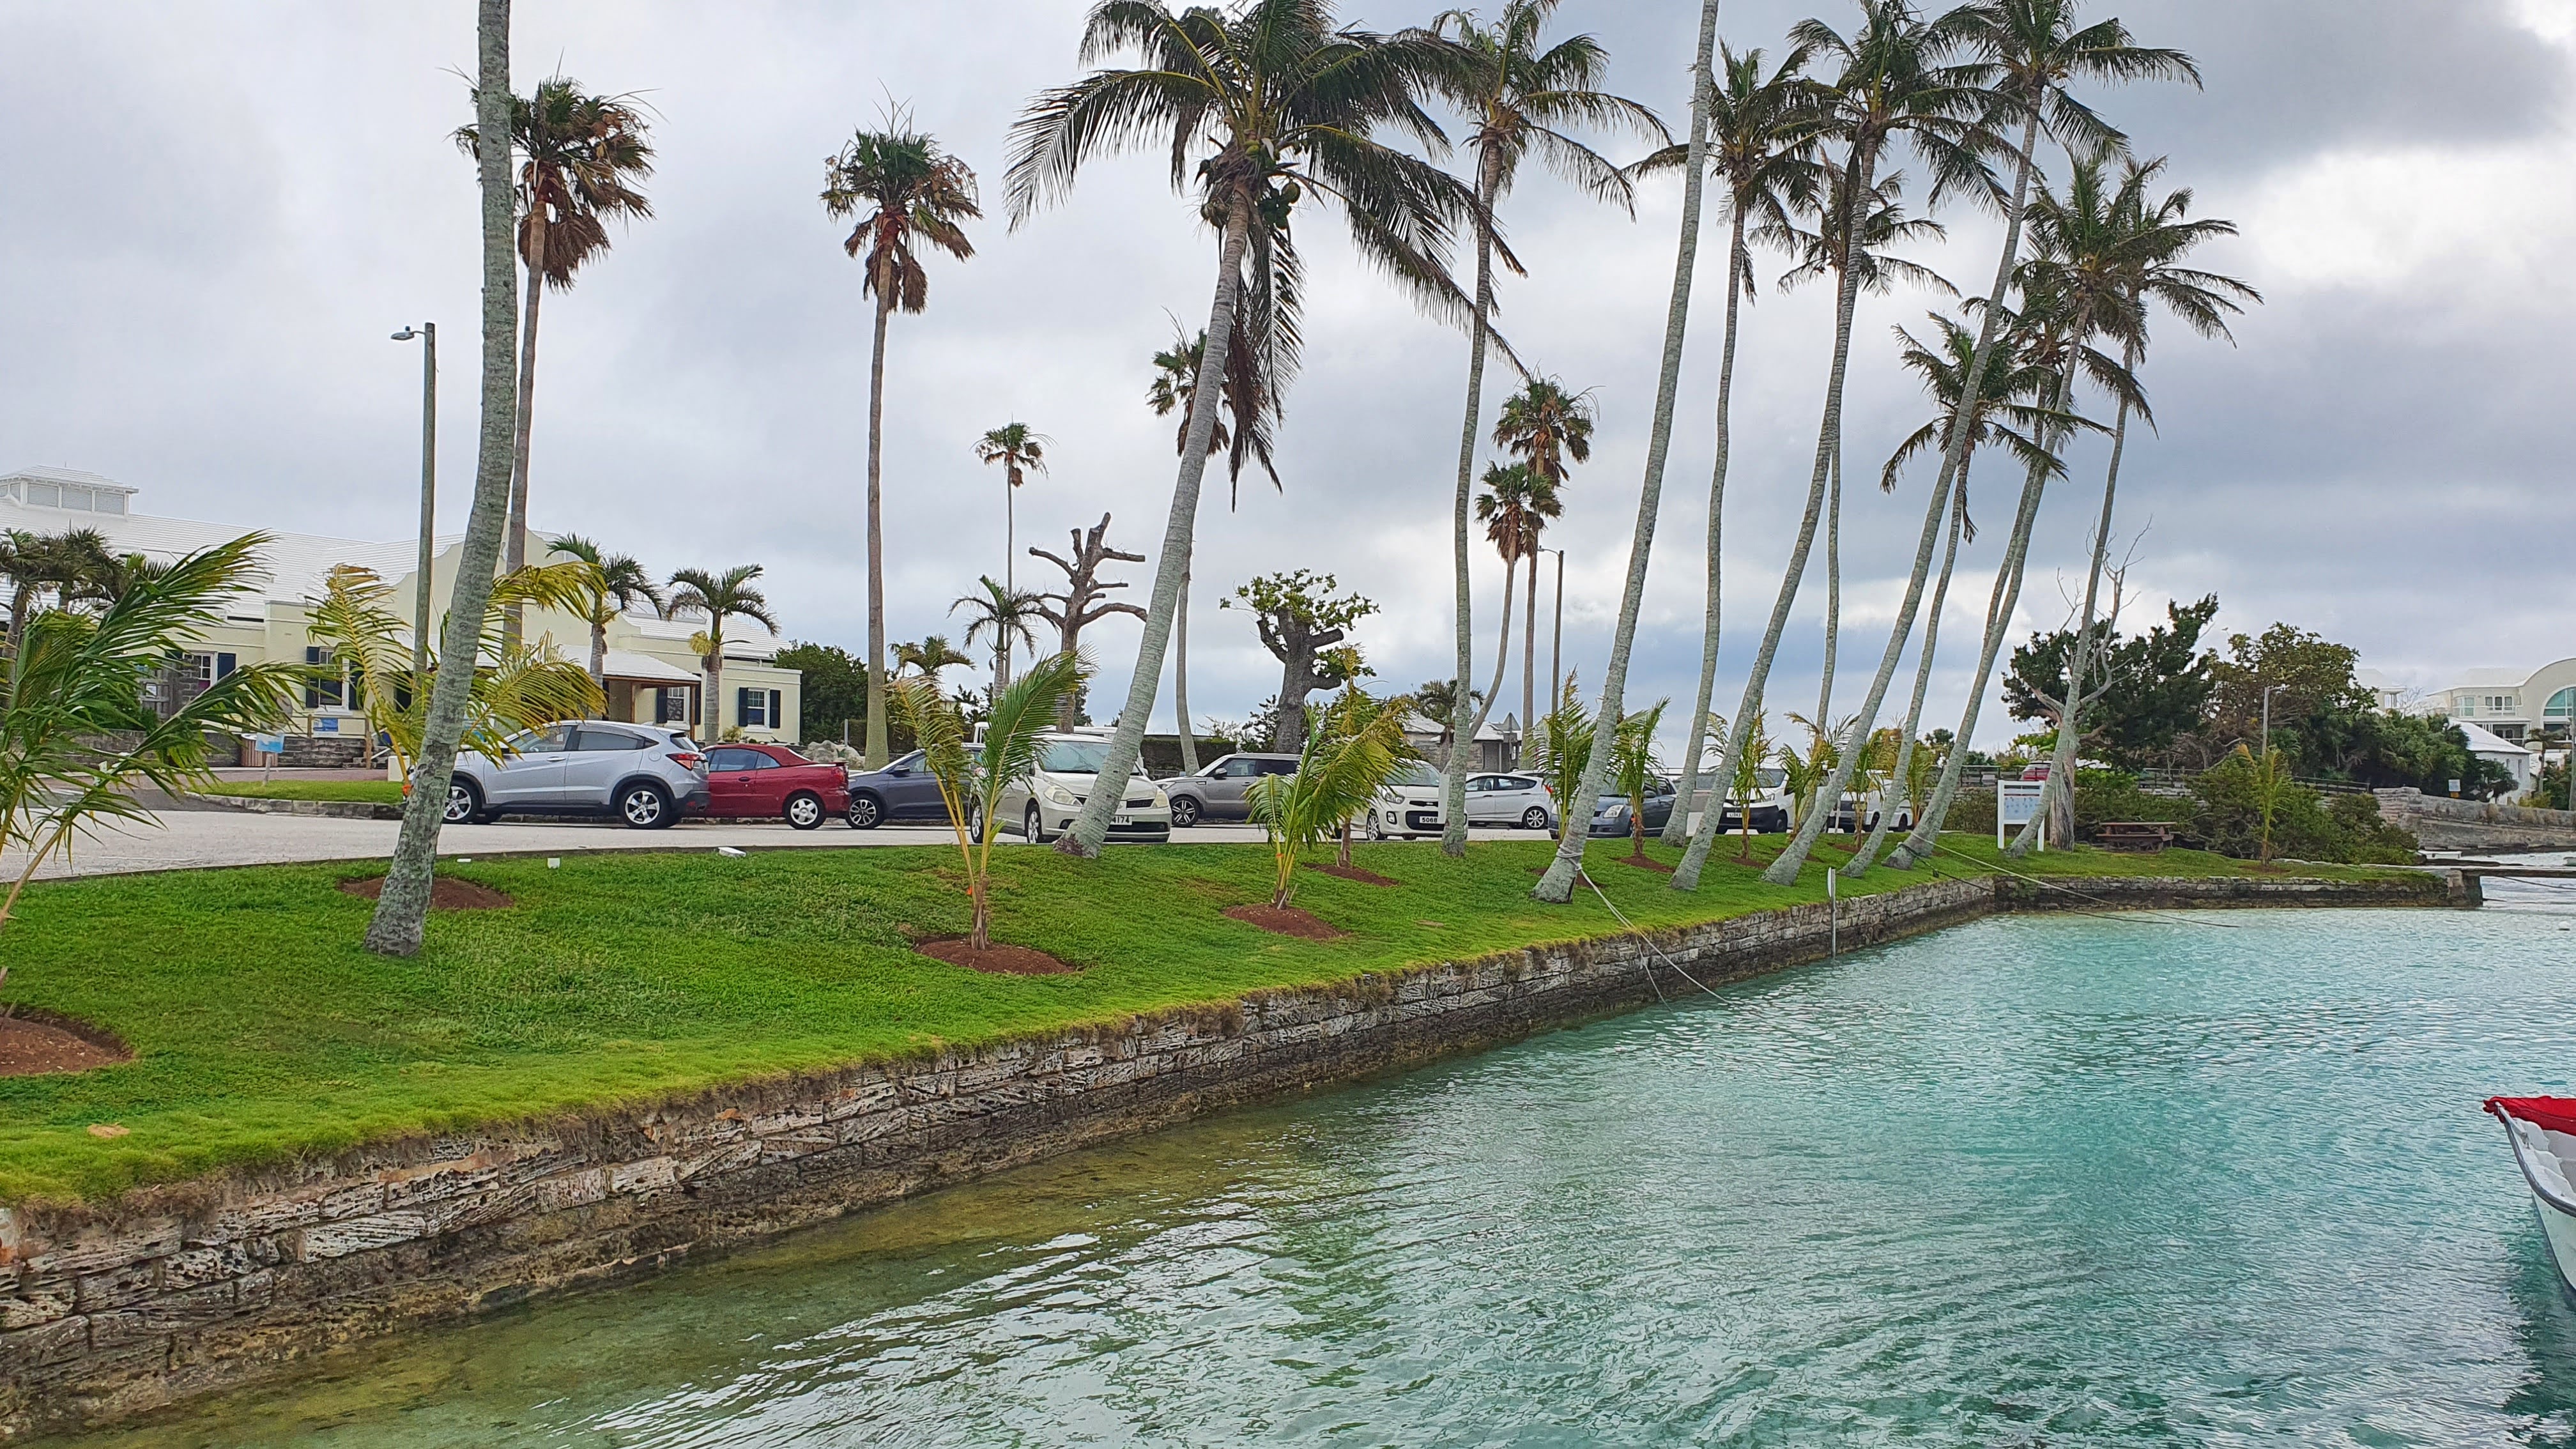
(209, 837)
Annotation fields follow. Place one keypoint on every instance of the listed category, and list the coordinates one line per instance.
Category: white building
(2510, 704)
(653, 674)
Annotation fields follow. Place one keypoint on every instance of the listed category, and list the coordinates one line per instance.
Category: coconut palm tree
(1762, 149)
(2130, 247)
(1256, 108)
(1556, 886)
(1509, 510)
(1251, 407)
(1634, 767)
(1021, 451)
(70, 565)
(403, 907)
(1549, 430)
(1340, 770)
(907, 195)
(718, 597)
(615, 584)
(1003, 613)
(1894, 87)
(933, 654)
(580, 157)
(972, 778)
(1518, 98)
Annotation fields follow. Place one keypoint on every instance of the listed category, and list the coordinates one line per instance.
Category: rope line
(2112, 914)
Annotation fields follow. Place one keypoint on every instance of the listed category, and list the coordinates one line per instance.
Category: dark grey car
(643, 775)
(1222, 791)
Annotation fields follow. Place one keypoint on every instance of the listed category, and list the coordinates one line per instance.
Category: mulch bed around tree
(996, 959)
(1289, 922)
(1645, 862)
(1353, 872)
(30, 1048)
(446, 893)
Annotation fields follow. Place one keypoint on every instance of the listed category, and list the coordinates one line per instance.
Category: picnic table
(2147, 837)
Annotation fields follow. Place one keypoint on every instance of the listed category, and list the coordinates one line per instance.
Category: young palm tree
(1745, 783)
(1634, 767)
(1003, 613)
(1256, 109)
(69, 565)
(907, 194)
(1894, 87)
(1557, 885)
(1567, 737)
(615, 584)
(1762, 148)
(933, 654)
(972, 779)
(718, 597)
(1517, 98)
(580, 157)
(1550, 430)
(2134, 254)
(402, 910)
(1176, 373)
(1340, 771)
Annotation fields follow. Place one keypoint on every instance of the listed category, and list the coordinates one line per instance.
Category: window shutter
(742, 705)
(224, 664)
(312, 688)
(774, 721)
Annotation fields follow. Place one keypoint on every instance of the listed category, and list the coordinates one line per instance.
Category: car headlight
(1055, 794)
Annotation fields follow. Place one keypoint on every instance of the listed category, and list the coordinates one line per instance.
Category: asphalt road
(185, 837)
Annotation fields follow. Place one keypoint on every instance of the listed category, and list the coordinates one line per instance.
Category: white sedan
(1509, 800)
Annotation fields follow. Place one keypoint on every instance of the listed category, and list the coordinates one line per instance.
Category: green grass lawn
(262, 1031)
(373, 792)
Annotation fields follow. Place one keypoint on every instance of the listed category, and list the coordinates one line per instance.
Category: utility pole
(1556, 646)
(420, 621)
(2267, 717)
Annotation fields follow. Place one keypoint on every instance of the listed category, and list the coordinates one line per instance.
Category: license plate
(1122, 819)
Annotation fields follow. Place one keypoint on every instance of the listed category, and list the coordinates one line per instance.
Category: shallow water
(2216, 1179)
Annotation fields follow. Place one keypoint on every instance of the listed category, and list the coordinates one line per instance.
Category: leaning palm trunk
(1558, 884)
(1181, 677)
(1677, 828)
(877, 736)
(2057, 798)
(1833, 578)
(403, 909)
(1091, 827)
(1453, 772)
(514, 546)
(1529, 650)
(1859, 863)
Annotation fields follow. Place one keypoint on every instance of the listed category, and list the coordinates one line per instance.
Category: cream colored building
(652, 675)
(2513, 704)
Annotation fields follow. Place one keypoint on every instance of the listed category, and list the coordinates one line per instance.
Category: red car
(765, 782)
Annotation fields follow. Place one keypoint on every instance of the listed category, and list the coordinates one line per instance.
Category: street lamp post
(1556, 646)
(2267, 717)
(427, 332)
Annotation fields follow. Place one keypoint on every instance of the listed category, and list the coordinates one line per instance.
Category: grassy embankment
(372, 792)
(263, 1032)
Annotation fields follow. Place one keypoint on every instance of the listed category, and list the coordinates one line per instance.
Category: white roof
(1416, 724)
(2491, 678)
(2484, 743)
(52, 474)
(627, 664)
(296, 563)
(755, 647)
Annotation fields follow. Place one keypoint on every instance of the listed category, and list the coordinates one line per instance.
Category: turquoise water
(2210, 1180)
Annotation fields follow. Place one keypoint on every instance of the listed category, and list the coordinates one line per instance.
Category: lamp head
(405, 335)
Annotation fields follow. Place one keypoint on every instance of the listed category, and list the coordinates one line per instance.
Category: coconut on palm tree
(579, 158)
(1259, 109)
(907, 195)
(1762, 135)
(615, 584)
(717, 597)
(1518, 97)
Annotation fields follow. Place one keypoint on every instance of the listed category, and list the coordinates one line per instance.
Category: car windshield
(1074, 757)
(1774, 779)
(1418, 775)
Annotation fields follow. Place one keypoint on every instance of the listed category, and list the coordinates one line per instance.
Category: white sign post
(2017, 803)
(268, 748)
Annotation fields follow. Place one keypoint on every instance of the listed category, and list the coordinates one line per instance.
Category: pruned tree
(1301, 622)
(1080, 605)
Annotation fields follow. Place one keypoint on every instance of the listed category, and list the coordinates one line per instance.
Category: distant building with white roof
(2510, 704)
(653, 674)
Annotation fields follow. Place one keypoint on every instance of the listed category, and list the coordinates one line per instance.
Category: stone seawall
(109, 1310)
(2442, 823)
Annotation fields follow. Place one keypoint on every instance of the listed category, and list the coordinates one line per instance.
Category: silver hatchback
(645, 776)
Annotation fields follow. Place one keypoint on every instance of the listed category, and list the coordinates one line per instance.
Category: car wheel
(867, 812)
(1185, 812)
(805, 810)
(1033, 826)
(1534, 818)
(1374, 830)
(464, 802)
(645, 807)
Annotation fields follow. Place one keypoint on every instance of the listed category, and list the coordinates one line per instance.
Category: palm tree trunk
(514, 555)
(1502, 664)
(1453, 775)
(1859, 863)
(1686, 877)
(1529, 650)
(1677, 829)
(1181, 676)
(403, 910)
(715, 687)
(979, 935)
(877, 750)
(1833, 585)
(1557, 886)
(2057, 802)
(1092, 825)
(599, 654)
(1010, 546)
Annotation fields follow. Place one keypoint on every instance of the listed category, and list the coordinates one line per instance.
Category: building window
(2464, 705)
(756, 709)
(2500, 704)
(323, 687)
(2561, 705)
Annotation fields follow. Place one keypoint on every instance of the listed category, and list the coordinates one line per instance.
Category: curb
(333, 809)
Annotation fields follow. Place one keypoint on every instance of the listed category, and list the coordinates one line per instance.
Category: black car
(903, 792)
(1610, 817)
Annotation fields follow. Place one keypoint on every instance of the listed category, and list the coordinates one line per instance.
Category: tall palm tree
(1176, 374)
(1003, 613)
(1762, 149)
(580, 157)
(617, 583)
(402, 909)
(1549, 430)
(1021, 451)
(1518, 98)
(2129, 247)
(2028, 52)
(1557, 884)
(718, 597)
(1510, 508)
(1256, 109)
(906, 194)
(1894, 87)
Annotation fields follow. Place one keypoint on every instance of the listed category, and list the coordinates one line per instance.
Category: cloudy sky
(215, 214)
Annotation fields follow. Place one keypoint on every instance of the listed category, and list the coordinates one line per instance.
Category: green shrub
(2102, 795)
(2305, 824)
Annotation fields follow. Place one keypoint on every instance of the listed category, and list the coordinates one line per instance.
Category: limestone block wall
(2441, 823)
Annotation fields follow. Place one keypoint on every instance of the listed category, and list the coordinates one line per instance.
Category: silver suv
(643, 775)
(1222, 791)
